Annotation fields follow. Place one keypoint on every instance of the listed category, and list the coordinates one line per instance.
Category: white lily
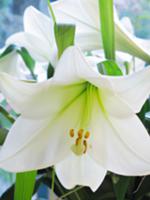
(85, 14)
(122, 59)
(38, 36)
(80, 121)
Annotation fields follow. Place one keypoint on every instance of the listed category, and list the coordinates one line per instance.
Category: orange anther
(71, 132)
(80, 133)
(87, 135)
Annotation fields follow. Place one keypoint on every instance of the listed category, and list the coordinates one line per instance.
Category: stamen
(80, 145)
(85, 145)
(71, 133)
(87, 135)
(77, 141)
(80, 133)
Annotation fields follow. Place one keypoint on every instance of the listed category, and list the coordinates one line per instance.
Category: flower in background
(82, 122)
(38, 36)
(85, 14)
(127, 63)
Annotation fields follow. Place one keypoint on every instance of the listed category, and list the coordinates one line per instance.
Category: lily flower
(82, 122)
(38, 36)
(127, 63)
(85, 14)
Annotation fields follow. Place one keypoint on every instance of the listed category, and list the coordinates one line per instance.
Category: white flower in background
(122, 59)
(126, 22)
(38, 36)
(85, 14)
(82, 122)
(14, 65)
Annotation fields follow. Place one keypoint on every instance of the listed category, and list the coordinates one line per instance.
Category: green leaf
(3, 135)
(121, 187)
(110, 68)
(24, 186)
(107, 28)
(29, 61)
(64, 36)
(144, 117)
(8, 50)
(50, 71)
(7, 115)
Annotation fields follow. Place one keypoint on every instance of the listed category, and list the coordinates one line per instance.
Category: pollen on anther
(87, 135)
(71, 133)
(80, 133)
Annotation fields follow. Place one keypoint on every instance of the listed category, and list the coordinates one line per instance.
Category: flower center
(81, 136)
(80, 145)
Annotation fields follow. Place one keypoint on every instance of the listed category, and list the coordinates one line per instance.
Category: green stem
(107, 28)
(52, 12)
(52, 185)
(71, 192)
(77, 195)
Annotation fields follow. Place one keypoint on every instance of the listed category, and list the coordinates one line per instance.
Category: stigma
(80, 145)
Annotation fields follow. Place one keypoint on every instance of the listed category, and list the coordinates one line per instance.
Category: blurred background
(11, 12)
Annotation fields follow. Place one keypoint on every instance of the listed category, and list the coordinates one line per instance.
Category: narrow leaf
(3, 135)
(8, 50)
(64, 36)
(29, 61)
(7, 115)
(110, 68)
(50, 71)
(121, 187)
(24, 186)
(107, 28)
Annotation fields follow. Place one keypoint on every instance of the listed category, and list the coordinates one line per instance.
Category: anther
(85, 145)
(78, 140)
(71, 133)
(80, 133)
(87, 135)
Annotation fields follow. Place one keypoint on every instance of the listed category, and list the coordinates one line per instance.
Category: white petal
(37, 47)
(127, 42)
(38, 24)
(126, 22)
(9, 64)
(88, 40)
(134, 89)
(121, 145)
(35, 144)
(38, 100)
(113, 105)
(82, 13)
(78, 69)
(145, 43)
(131, 144)
(80, 170)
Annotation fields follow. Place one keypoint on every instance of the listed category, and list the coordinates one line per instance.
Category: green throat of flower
(82, 135)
